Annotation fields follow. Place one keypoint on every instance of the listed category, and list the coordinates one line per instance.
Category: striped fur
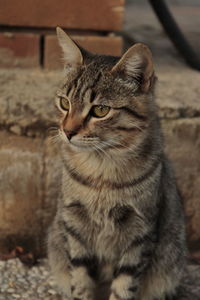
(119, 208)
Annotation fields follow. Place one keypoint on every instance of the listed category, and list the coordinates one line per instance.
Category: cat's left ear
(72, 54)
(136, 63)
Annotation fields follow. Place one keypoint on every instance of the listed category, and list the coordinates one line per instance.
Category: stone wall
(29, 177)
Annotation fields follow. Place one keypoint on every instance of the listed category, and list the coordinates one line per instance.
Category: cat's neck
(120, 167)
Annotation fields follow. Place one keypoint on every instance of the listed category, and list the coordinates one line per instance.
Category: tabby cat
(119, 219)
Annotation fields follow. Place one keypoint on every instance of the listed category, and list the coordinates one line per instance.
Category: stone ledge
(27, 98)
(178, 91)
(182, 144)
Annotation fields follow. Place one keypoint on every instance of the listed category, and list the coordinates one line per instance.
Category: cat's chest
(101, 211)
(107, 225)
(114, 229)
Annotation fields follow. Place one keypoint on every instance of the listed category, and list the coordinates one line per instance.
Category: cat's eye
(100, 111)
(64, 103)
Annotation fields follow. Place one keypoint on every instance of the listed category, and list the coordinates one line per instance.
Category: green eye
(100, 111)
(64, 103)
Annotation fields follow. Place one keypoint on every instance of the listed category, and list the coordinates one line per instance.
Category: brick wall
(27, 36)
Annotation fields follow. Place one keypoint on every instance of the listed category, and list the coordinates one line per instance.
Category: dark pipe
(175, 33)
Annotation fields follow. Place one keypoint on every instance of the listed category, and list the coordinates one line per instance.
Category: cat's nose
(70, 133)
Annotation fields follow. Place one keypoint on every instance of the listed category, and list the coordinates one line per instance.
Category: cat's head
(105, 102)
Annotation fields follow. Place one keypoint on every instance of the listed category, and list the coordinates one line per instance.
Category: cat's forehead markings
(97, 98)
(87, 95)
(86, 109)
(71, 92)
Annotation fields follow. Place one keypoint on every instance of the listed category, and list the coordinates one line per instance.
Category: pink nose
(70, 133)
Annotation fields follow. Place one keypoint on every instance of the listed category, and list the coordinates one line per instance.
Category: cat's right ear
(72, 54)
(136, 64)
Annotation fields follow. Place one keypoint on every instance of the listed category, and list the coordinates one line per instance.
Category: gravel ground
(18, 281)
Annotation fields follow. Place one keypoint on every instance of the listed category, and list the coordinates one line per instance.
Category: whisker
(53, 129)
(104, 152)
(54, 139)
(115, 144)
(97, 150)
(138, 127)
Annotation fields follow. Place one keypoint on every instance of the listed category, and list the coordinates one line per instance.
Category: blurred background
(30, 73)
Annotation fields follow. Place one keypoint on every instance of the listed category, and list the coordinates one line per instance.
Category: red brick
(110, 45)
(90, 14)
(19, 50)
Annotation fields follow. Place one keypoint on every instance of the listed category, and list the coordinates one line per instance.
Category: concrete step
(28, 169)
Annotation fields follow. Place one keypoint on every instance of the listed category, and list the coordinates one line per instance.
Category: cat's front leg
(83, 272)
(126, 282)
(82, 283)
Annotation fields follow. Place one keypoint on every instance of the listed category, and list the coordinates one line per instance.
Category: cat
(119, 221)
